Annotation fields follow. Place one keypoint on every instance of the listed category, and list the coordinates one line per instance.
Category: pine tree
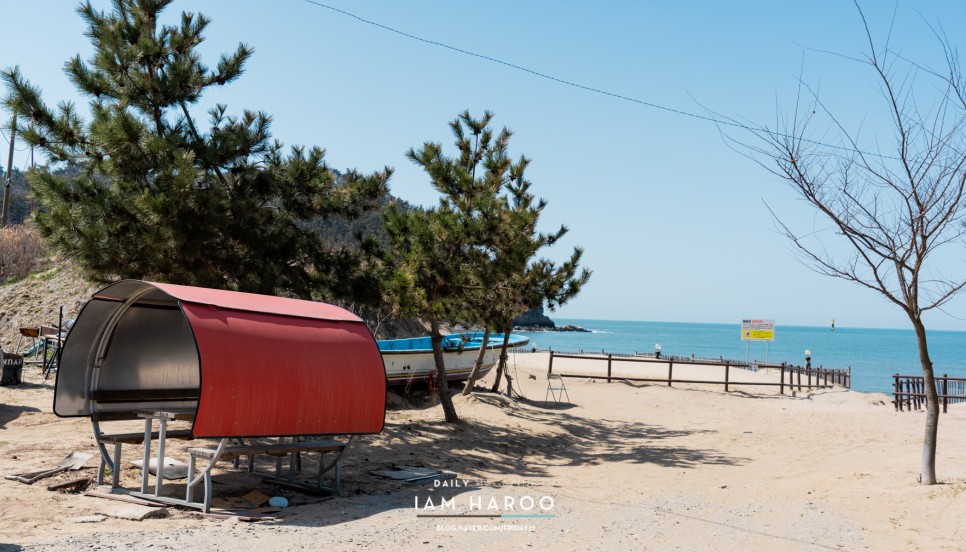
(438, 253)
(158, 195)
(471, 258)
(521, 280)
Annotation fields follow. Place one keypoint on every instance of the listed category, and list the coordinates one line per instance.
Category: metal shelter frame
(236, 365)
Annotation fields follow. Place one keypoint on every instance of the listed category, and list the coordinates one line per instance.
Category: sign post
(756, 329)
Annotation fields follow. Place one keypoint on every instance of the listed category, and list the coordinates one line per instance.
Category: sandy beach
(624, 467)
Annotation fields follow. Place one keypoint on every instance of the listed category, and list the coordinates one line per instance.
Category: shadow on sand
(522, 440)
(10, 412)
(525, 442)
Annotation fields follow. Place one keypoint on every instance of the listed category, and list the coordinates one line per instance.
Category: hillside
(37, 299)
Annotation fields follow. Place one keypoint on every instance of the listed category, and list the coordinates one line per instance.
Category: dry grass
(21, 251)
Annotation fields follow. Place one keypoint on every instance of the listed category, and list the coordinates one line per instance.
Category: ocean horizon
(873, 355)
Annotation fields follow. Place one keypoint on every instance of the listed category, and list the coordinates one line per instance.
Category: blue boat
(410, 360)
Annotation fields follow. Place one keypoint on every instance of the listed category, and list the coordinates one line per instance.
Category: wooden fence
(798, 377)
(910, 391)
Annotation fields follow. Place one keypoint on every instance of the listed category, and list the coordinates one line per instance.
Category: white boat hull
(413, 367)
(410, 361)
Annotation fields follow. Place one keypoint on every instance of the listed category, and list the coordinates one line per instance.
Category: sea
(874, 355)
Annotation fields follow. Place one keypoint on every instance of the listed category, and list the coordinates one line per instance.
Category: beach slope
(625, 466)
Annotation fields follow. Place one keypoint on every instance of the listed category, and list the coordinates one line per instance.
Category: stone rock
(534, 318)
(97, 518)
(138, 513)
(173, 469)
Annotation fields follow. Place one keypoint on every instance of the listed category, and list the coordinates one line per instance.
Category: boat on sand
(410, 360)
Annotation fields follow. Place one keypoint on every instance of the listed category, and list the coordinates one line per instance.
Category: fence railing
(909, 392)
(797, 377)
(679, 359)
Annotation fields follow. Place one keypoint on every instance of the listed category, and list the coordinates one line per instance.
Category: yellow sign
(758, 335)
(757, 330)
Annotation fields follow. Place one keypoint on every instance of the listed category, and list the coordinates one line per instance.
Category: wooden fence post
(550, 367)
(945, 395)
(670, 371)
(895, 393)
(909, 390)
(609, 358)
(727, 370)
(781, 386)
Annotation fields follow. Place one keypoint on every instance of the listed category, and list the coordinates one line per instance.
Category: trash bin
(12, 369)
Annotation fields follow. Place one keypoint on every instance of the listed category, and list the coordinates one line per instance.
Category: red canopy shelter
(241, 364)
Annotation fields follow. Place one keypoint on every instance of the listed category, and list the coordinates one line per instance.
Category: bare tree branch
(888, 214)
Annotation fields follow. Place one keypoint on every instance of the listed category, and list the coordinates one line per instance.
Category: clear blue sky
(674, 222)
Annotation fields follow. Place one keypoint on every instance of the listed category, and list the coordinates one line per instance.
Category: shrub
(21, 251)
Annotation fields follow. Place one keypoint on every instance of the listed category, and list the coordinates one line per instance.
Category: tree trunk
(502, 365)
(444, 399)
(506, 343)
(503, 359)
(928, 473)
(475, 375)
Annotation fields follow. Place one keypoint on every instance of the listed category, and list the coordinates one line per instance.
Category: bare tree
(889, 212)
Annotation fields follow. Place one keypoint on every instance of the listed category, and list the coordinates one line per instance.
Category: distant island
(536, 321)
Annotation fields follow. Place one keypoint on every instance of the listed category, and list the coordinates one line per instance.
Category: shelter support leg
(207, 506)
(190, 489)
(206, 503)
(145, 466)
(337, 472)
(205, 476)
(294, 462)
(116, 467)
(106, 461)
(101, 467)
(338, 477)
(112, 463)
(159, 470)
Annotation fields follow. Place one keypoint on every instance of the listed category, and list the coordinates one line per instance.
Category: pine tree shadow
(506, 442)
(10, 412)
(555, 438)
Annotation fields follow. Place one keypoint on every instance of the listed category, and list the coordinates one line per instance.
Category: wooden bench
(225, 451)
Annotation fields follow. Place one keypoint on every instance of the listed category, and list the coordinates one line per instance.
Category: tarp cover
(261, 365)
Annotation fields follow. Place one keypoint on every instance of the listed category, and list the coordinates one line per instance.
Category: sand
(625, 467)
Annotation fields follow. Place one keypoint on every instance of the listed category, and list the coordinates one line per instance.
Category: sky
(676, 225)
